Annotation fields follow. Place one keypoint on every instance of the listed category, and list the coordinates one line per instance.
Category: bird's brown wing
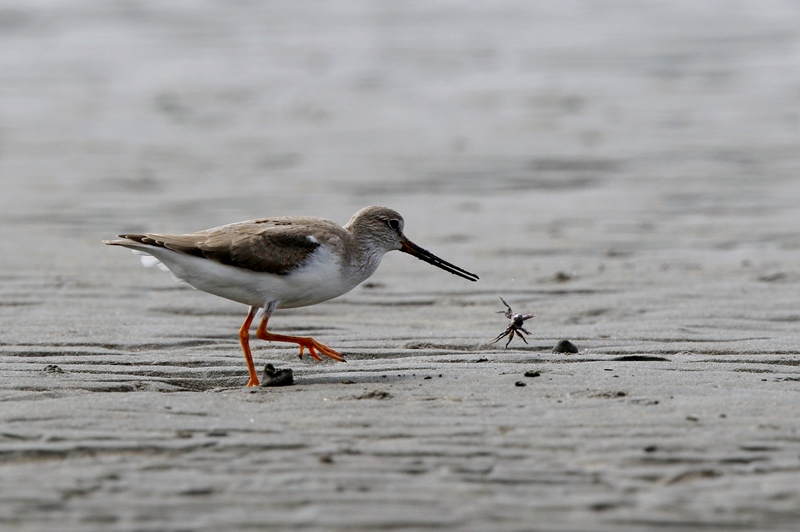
(268, 245)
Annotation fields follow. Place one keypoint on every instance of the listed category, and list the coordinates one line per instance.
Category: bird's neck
(365, 256)
(366, 259)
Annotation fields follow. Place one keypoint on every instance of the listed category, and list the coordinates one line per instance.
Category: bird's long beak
(407, 246)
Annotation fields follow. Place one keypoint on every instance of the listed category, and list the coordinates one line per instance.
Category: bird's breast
(324, 276)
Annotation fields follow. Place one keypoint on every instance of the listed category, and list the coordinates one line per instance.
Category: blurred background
(181, 115)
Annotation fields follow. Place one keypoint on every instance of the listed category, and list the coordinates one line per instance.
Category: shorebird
(282, 262)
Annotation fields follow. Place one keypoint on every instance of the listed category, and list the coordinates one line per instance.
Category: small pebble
(565, 346)
(532, 374)
(562, 277)
(277, 377)
(520, 383)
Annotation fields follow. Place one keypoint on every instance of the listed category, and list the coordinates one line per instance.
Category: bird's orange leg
(303, 341)
(244, 339)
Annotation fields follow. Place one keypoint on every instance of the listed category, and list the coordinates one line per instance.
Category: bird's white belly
(319, 280)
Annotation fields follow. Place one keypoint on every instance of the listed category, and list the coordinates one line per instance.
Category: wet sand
(629, 175)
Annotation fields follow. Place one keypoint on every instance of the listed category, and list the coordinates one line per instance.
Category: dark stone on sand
(532, 374)
(773, 277)
(52, 368)
(641, 358)
(520, 384)
(562, 277)
(565, 346)
(277, 377)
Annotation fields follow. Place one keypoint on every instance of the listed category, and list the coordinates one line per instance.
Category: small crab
(516, 325)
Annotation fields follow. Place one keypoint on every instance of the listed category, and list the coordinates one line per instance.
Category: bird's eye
(394, 224)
